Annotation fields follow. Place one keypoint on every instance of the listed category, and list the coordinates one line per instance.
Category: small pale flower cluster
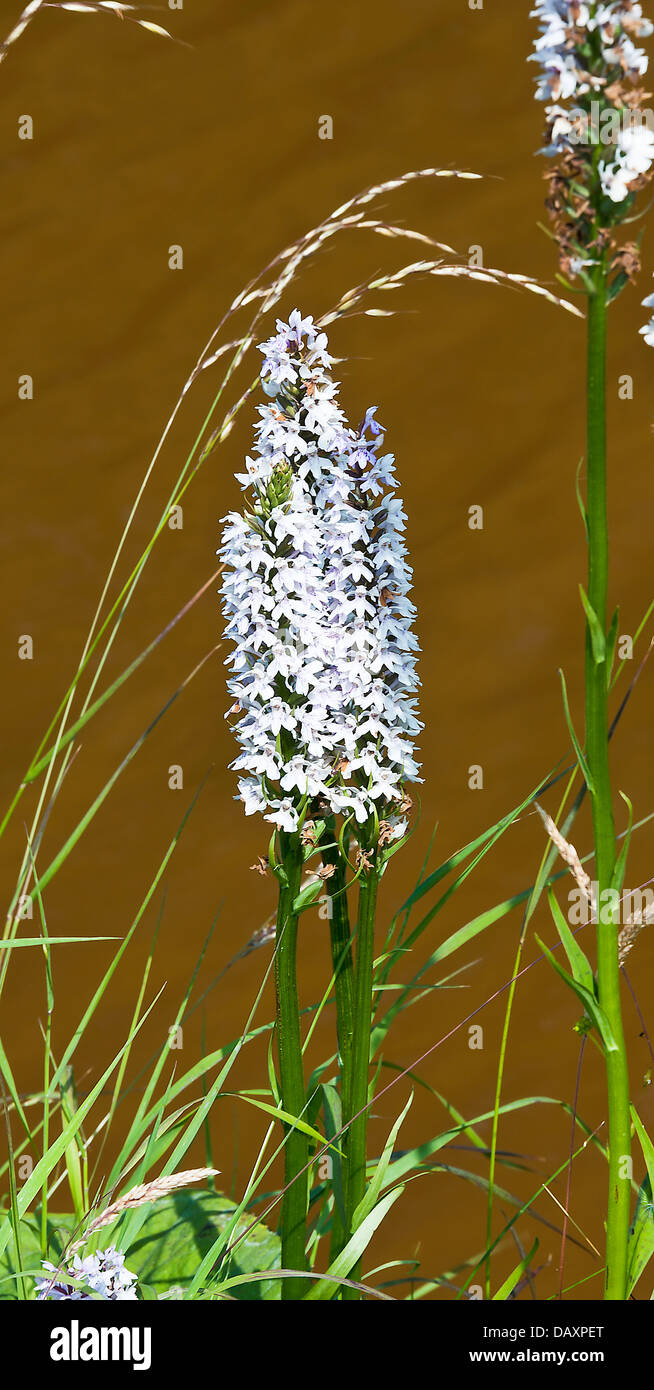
(648, 329)
(586, 50)
(633, 156)
(577, 38)
(102, 1275)
(316, 600)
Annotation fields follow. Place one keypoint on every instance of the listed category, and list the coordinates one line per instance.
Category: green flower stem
(343, 968)
(597, 748)
(356, 1148)
(291, 1077)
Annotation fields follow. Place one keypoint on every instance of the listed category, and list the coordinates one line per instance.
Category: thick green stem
(291, 1077)
(356, 1146)
(343, 968)
(597, 748)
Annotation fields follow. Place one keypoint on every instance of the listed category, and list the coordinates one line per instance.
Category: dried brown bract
(309, 834)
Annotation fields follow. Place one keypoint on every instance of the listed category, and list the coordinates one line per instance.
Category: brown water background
(140, 144)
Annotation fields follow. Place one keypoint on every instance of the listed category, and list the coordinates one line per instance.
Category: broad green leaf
(181, 1228)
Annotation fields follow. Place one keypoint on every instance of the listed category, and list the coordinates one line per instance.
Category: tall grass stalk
(592, 191)
(597, 751)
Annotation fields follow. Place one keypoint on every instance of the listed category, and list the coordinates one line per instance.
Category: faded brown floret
(627, 260)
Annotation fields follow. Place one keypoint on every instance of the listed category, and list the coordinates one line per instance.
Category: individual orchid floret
(100, 1276)
(315, 597)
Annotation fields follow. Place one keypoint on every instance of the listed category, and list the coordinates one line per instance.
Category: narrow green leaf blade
(377, 1181)
(506, 1289)
(597, 637)
(575, 741)
(587, 999)
(580, 966)
(349, 1257)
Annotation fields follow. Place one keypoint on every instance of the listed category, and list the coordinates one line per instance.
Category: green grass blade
(351, 1254)
(506, 1289)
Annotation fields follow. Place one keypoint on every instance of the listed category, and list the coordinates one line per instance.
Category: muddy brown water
(138, 145)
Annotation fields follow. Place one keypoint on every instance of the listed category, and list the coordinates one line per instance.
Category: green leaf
(645, 1144)
(53, 941)
(597, 636)
(509, 1284)
(412, 1160)
(181, 1228)
(333, 1114)
(486, 840)
(293, 1120)
(588, 1000)
(616, 286)
(617, 881)
(575, 742)
(611, 642)
(377, 1181)
(580, 500)
(641, 1236)
(75, 1148)
(354, 1249)
(453, 943)
(307, 897)
(580, 966)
